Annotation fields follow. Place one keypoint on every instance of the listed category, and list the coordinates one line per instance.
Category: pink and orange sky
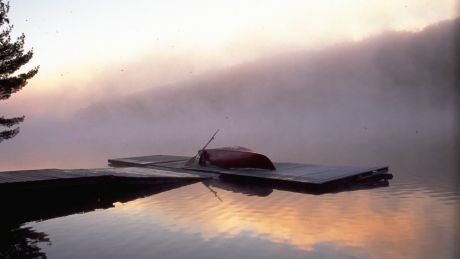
(77, 40)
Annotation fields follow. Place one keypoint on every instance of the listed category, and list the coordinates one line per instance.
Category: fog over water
(391, 99)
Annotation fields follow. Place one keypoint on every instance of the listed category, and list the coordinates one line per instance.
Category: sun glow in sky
(79, 38)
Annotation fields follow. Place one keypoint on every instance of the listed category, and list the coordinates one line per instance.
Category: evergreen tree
(12, 58)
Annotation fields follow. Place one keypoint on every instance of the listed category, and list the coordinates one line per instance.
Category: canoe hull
(235, 157)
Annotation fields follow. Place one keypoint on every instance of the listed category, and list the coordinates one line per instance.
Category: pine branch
(12, 58)
(4, 9)
(10, 50)
(10, 66)
(11, 85)
(7, 134)
(9, 122)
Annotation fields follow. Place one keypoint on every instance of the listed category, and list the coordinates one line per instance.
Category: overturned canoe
(234, 157)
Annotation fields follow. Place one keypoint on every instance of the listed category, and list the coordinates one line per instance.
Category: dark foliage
(22, 242)
(12, 58)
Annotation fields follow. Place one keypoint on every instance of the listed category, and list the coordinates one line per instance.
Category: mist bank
(391, 99)
(392, 85)
(395, 71)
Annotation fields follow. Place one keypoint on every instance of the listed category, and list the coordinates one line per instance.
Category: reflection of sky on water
(398, 221)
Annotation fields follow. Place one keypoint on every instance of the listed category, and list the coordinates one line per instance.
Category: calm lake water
(416, 216)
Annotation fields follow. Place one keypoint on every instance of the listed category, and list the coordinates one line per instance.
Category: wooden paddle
(197, 156)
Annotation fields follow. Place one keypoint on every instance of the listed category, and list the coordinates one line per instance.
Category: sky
(92, 52)
(75, 41)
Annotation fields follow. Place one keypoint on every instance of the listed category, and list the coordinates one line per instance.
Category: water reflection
(221, 219)
(19, 241)
(374, 222)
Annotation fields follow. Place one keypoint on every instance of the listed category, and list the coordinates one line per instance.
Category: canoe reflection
(255, 187)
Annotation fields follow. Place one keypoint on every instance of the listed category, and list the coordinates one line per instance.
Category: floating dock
(285, 172)
(163, 170)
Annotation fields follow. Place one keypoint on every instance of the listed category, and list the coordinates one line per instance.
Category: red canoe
(234, 157)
